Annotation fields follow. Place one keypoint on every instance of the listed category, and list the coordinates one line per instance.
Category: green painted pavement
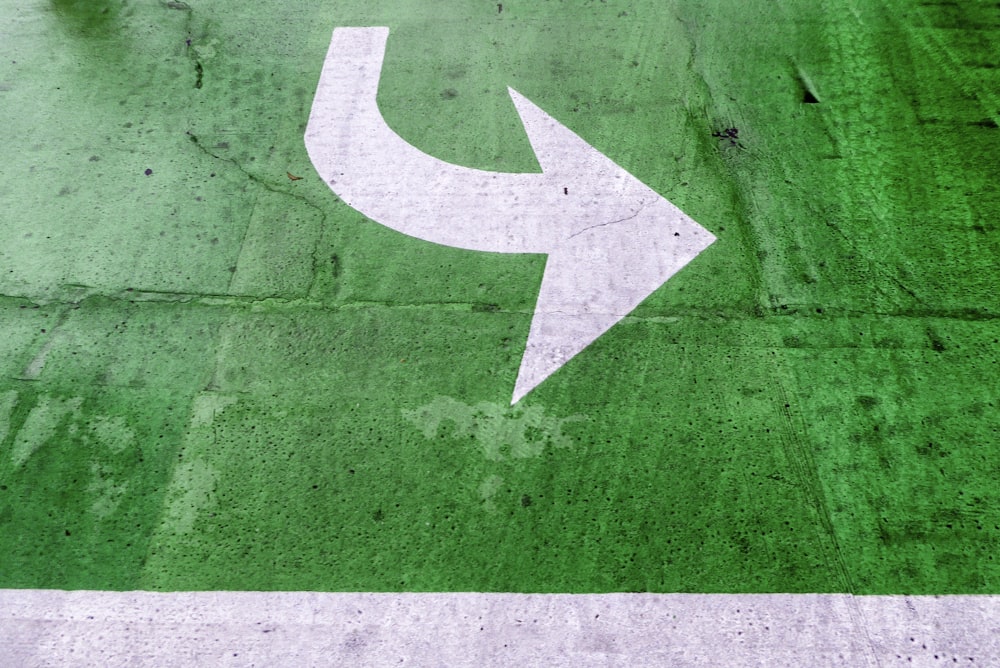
(216, 376)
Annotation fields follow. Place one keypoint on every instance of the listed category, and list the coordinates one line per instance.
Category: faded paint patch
(8, 400)
(192, 491)
(108, 493)
(207, 405)
(205, 50)
(35, 366)
(112, 432)
(501, 432)
(41, 425)
(488, 489)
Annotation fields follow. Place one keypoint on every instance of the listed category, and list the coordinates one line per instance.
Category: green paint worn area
(216, 375)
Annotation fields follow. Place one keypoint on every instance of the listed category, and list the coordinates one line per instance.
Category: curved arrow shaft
(377, 172)
(380, 174)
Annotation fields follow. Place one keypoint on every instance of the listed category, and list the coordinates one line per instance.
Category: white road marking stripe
(86, 628)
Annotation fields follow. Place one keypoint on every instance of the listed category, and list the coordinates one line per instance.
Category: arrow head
(571, 163)
(599, 276)
(625, 242)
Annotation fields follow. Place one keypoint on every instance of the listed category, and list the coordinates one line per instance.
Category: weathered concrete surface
(214, 375)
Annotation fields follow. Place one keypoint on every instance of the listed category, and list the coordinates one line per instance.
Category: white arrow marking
(611, 240)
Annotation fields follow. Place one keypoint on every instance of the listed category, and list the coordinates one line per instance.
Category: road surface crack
(316, 258)
(642, 205)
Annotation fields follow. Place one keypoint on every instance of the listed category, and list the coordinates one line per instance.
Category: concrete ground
(235, 359)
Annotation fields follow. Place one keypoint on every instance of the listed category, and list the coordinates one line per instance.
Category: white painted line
(611, 239)
(55, 628)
